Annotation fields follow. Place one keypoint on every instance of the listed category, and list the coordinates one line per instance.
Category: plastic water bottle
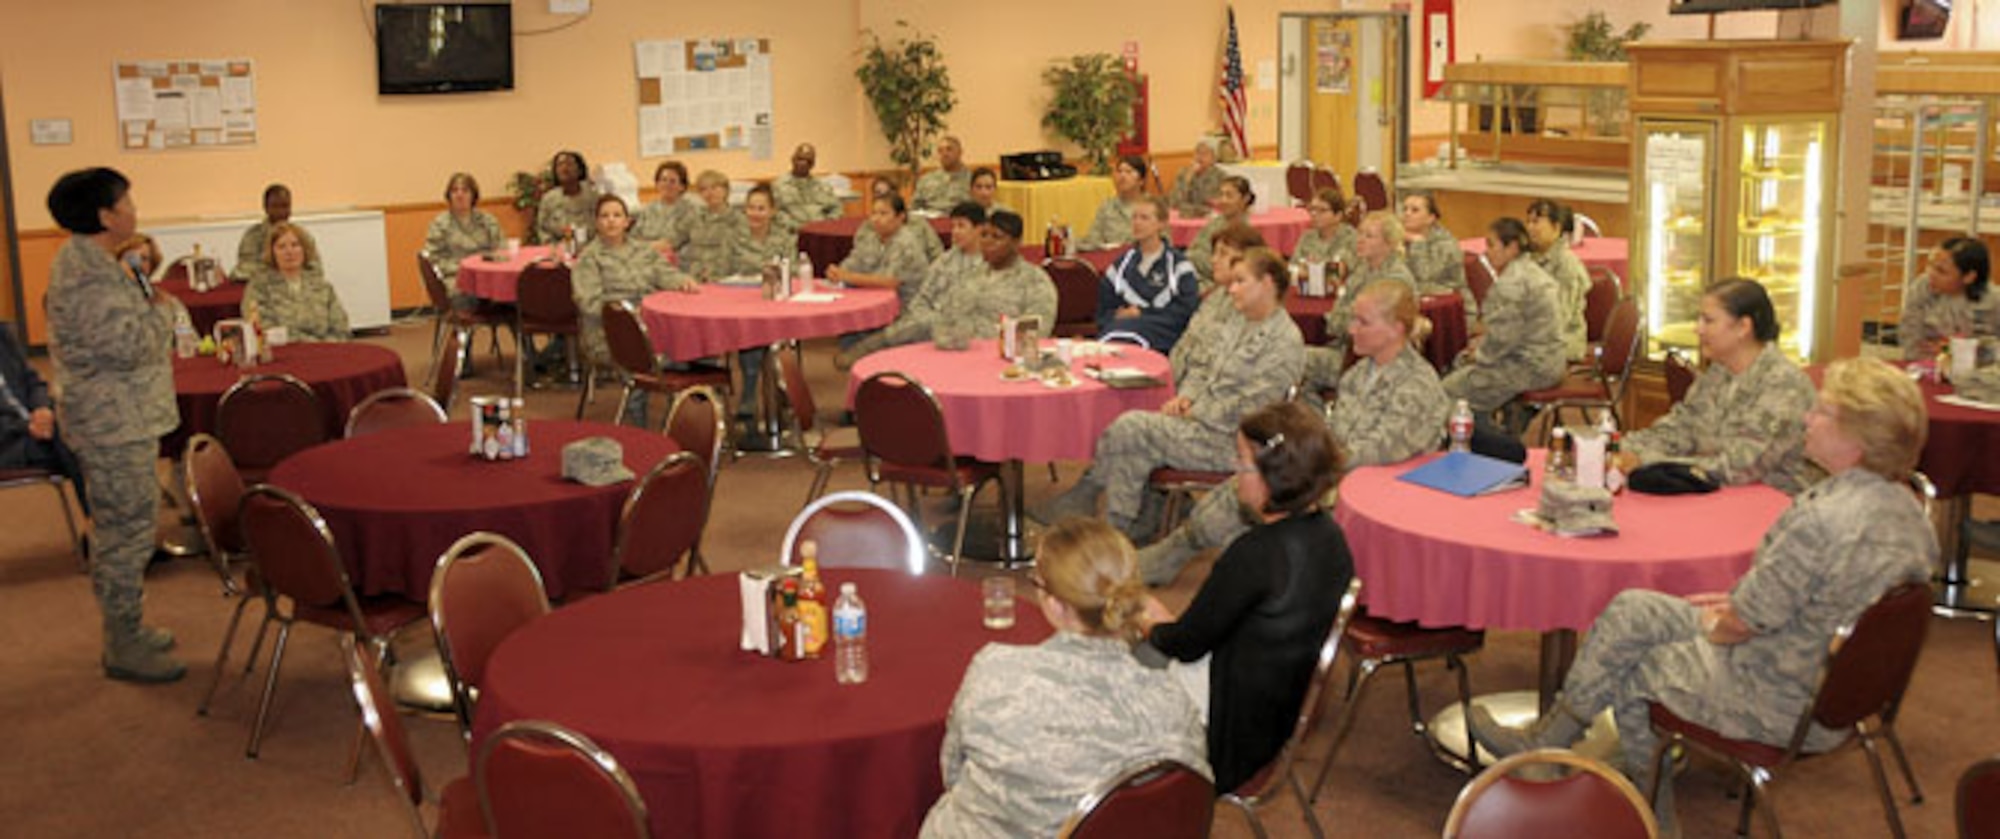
(850, 637)
(804, 267)
(1461, 427)
(185, 342)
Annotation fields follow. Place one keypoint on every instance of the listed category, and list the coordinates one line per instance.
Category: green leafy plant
(909, 87)
(526, 188)
(1090, 104)
(1593, 38)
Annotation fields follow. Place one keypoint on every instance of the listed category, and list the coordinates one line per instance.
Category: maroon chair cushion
(855, 535)
(478, 598)
(379, 615)
(663, 518)
(542, 788)
(1167, 801)
(1169, 476)
(1372, 637)
(1748, 751)
(458, 811)
(1582, 804)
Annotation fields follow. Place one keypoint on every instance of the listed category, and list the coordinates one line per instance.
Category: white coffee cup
(513, 248)
(278, 336)
(1964, 357)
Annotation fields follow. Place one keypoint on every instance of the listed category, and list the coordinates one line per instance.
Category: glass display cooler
(1733, 161)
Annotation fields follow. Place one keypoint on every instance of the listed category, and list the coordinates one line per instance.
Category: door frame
(1291, 79)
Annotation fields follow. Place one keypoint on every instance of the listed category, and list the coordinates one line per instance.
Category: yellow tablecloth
(1073, 200)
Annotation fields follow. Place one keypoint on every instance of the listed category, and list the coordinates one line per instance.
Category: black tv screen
(444, 47)
(1924, 20)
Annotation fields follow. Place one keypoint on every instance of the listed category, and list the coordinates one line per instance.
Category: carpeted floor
(89, 757)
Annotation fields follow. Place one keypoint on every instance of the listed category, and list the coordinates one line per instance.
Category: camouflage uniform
(1195, 352)
(1323, 363)
(250, 251)
(1385, 414)
(607, 272)
(1034, 728)
(1192, 191)
(1315, 246)
(307, 307)
(1438, 263)
(1255, 362)
(1202, 250)
(1842, 545)
(1930, 317)
(710, 237)
(1741, 428)
(751, 253)
(900, 256)
(974, 307)
(802, 201)
(1522, 349)
(918, 320)
(1572, 286)
(449, 240)
(938, 190)
(558, 212)
(1112, 228)
(660, 221)
(111, 347)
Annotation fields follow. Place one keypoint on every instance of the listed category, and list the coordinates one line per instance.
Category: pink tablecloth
(494, 281)
(205, 308)
(1596, 252)
(397, 499)
(341, 375)
(1281, 227)
(993, 419)
(725, 743)
(718, 319)
(1445, 561)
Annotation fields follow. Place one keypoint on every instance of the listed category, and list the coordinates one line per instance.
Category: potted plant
(526, 189)
(910, 90)
(1594, 39)
(1090, 104)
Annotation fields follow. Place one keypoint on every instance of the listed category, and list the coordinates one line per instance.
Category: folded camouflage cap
(1575, 510)
(595, 461)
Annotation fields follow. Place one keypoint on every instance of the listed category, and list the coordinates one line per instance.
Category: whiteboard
(352, 246)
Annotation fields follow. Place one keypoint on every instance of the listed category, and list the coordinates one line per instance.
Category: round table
(1445, 311)
(223, 302)
(727, 743)
(717, 319)
(1073, 201)
(1595, 252)
(397, 499)
(1281, 227)
(341, 375)
(829, 241)
(494, 280)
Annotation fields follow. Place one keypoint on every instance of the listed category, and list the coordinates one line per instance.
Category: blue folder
(1465, 474)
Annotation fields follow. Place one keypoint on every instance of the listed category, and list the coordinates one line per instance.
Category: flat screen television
(443, 47)
(1924, 20)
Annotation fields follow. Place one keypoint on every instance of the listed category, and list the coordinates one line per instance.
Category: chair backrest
(696, 423)
(484, 588)
(856, 529)
(1478, 276)
(1324, 178)
(1368, 186)
(434, 286)
(662, 520)
(1076, 292)
(1621, 338)
(385, 727)
(396, 407)
(1979, 800)
(1680, 377)
(901, 423)
(215, 490)
(1869, 662)
(1163, 800)
(444, 380)
(1299, 182)
(538, 778)
(1597, 302)
(1590, 799)
(625, 337)
(790, 378)
(294, 551)
(1273, 778)
(266, 417)
(542, 297)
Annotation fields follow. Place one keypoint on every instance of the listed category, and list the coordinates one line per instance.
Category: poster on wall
(185, 104)
(1334, 60)
(704, 95)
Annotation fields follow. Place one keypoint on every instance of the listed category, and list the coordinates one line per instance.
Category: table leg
(767, 434)
(1446, 730)
(1959, 594)
(1014, 548)
(1558, 651)
(1010, 534)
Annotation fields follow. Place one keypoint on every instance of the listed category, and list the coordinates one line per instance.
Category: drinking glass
(997, 602)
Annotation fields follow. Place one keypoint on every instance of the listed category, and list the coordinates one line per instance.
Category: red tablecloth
(718, 319)
(991, 418)
(1446, 313)
(725, 743)
(1281, 227)
(495, 280)
(341, 375)
(397, 499)
(205, 308)
(1447, 561)
(828, 242)
(1595, 252)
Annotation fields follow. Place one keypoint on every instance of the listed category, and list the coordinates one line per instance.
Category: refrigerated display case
(1734, 145)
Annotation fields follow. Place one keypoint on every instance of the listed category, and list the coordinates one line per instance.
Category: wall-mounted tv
(1710, 7)
(1924, 20)
(443, 47)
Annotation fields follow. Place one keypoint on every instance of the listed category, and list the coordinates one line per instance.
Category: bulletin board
(185, 104)
(704, 94)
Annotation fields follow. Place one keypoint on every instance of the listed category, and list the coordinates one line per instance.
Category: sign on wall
(704, 94)
(185, 104)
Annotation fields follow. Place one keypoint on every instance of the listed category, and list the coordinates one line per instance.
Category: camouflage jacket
(660, 221)
(752, 253)
(628, 271)
(1438, 264)
(450, 239)
(250, 251)
(938, 191)
(307, 307)
(1202, 250)
(1195, 351)
(1929, 317)
(558, 212)
(1359, 276)
(1315, 246)
(1255, 363)
(1740, 427)
(1522, 331)
(900, 256)
(1389, 413)
(1112, 228)
(1192, 191)
(974, 306)
(710, 238)
(112, 350)
(1572, 285)
(802, 201)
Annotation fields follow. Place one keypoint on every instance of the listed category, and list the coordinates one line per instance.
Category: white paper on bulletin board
(184, 104)
(702, 94)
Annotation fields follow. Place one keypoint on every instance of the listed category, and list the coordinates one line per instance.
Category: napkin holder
(236, 340)
(1019, 336)
(758, 588)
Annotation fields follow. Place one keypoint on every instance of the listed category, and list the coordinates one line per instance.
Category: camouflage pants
(1139, 442)
(1217, 518)
(1487, 387)
(124, 498)
(1648, 647)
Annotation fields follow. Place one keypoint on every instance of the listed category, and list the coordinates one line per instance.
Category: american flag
(1229, 90)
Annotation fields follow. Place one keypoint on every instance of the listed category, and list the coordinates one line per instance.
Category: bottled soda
(791, 631)
(1460, 427)
(1614, 477)
(1558, 464)
(812, 600)
(850, 637)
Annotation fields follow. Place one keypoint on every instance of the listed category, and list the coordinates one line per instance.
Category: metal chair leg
(1249, 815)
(1363, 670)
(1903, 761)
(270, 688)
(1882, 786)
(222, 657)
(1305, 807)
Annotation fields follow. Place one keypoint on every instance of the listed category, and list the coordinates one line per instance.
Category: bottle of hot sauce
(812, 600)
(791, 633)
